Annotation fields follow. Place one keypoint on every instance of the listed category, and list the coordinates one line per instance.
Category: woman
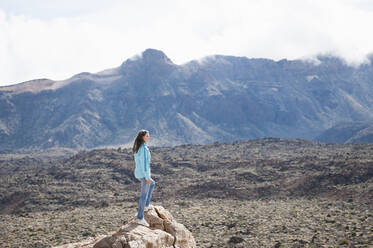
(142, 172)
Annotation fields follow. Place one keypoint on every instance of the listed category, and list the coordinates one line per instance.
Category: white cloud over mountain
(56, 39)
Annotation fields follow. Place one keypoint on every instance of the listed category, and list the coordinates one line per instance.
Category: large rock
(164, 232)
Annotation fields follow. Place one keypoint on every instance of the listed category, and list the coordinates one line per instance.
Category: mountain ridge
(217, 98)
(159, 54)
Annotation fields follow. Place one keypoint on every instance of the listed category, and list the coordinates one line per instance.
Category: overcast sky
(56, 39)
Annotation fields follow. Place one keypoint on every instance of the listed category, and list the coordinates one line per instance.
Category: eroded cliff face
(164, 232)
(219, 98)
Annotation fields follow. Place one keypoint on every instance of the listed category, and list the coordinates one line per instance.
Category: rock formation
(164, 232)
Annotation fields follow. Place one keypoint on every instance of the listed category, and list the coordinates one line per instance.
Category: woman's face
(146, 137)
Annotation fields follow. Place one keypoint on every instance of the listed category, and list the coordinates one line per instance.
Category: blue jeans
(145, 196)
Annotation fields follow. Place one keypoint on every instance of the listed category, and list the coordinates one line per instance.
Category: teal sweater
(142, 160)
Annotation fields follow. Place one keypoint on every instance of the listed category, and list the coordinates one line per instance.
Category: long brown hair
(139, 140)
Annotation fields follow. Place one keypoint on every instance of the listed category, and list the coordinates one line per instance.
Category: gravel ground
(213, 222)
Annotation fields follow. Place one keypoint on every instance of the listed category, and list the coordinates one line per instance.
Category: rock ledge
(164, 232)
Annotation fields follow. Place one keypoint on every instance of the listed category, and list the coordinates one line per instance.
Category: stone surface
(164, 232)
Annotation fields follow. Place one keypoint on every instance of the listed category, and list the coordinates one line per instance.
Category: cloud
(58, 42)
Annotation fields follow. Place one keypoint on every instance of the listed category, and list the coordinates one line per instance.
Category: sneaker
(142, 222)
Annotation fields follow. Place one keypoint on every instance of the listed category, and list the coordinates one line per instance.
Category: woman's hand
(148, 181)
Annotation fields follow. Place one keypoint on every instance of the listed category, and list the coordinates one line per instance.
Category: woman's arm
(147, 164)
(140, 160)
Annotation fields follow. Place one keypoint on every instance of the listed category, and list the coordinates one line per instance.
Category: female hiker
(142, 172)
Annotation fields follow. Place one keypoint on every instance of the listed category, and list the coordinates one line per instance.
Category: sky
(57, 39)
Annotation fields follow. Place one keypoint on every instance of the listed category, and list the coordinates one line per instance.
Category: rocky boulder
(164, 232)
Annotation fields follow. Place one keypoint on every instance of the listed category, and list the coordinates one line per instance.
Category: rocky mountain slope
(218, 98)
(350, 132)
